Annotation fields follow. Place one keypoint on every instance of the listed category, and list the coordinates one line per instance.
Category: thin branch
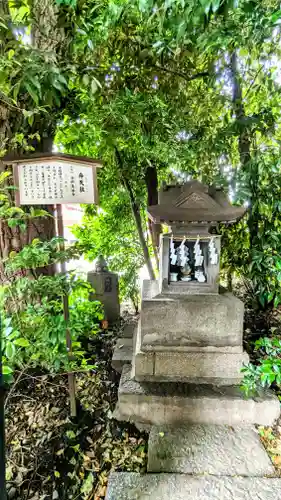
(187, 78)
(12, 390)
(253, 81)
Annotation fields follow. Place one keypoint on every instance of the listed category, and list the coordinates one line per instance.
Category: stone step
(122, 354)
(133, 486)
(208, 449)
(169, 403)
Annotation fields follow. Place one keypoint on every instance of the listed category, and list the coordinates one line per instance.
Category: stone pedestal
(189, 338)
(186, 363)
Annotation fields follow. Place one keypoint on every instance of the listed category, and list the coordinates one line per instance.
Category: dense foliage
(111, 232)
(34, 327)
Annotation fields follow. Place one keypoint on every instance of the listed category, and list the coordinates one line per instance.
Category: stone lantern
(106, 289)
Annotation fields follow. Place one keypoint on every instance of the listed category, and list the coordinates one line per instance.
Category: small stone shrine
(183, 380)
(106, 289)
(190, 330)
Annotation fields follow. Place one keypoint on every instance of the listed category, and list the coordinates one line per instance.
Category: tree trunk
(229, 280)
(44, 19)
(151, 181)
(244, 143)
(137, 216)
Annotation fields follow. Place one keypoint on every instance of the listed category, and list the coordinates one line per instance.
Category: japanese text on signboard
(55, 183)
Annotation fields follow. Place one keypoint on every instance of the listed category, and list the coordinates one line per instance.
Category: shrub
(268, 369)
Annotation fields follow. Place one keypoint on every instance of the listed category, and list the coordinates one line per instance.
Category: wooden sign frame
(52, 158)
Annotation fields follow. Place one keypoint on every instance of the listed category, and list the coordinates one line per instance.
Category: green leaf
(90, 44)
(6, 370)
(22, 342)
(276, 16)
(11, 53)
(70, 434)
(10, 350)
(216, 5)
(276, 302)
(95, 84)
(87, 485)
(12, 223)
(32, 92)
(86, 80)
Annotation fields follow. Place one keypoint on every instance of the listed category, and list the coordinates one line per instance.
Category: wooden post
(71, 376)
(2, 425)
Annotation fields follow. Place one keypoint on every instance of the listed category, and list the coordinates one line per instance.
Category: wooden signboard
(55, 179)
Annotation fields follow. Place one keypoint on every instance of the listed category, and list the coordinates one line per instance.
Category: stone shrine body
(187, 351)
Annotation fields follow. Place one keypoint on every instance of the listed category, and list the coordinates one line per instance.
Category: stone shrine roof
(193, 202)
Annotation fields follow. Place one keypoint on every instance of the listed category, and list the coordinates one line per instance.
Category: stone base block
(133, 486)
(194, 367)
(208, 449)
(191, 321)
(170, 403)
(201, 367)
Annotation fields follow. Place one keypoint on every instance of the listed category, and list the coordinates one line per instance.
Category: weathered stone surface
(133, 486)
(194, 320)
(122, 354)
(169, 403)
(149, 289)
(106, 290)
(128, 331)
(201, 367)
(215, 367)
(142, 365)
(208, 449)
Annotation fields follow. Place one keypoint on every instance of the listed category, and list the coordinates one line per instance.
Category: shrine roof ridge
(162, 213)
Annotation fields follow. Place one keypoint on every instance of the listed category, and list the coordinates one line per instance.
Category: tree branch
(137, 216)
(187, 78)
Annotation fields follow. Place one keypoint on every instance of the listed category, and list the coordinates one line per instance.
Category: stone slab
(169, 403)
(216, 368)
(122, 354)
(133, 486)
(194, 320)
(128, 331)
(206, 367)
(208, 449)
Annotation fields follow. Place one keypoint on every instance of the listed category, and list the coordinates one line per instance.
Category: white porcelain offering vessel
(174, 276)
